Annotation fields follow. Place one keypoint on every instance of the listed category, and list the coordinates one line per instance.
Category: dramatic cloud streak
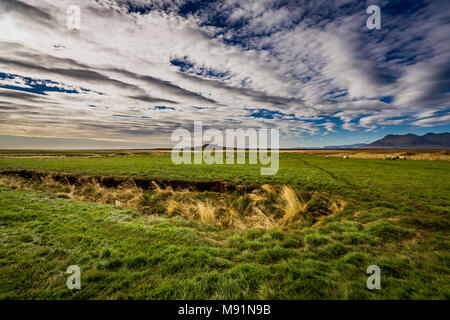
(136, 70)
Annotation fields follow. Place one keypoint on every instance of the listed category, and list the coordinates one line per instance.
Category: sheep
(345, 157)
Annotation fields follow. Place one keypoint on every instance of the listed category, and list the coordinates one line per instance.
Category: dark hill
(412, 141)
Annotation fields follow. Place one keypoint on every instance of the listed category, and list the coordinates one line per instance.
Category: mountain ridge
(412, 141)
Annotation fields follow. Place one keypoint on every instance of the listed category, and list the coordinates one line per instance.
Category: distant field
(423, 181)
(308, 232)
(410, 154)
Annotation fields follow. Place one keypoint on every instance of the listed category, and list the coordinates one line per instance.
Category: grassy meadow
(308, 232)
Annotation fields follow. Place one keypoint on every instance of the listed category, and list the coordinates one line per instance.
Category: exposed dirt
(116, 181)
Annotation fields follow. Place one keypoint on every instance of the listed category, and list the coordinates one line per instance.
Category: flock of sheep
(395, 158)
(385, 158)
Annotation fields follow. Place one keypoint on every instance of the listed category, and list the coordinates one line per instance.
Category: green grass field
(396, 217)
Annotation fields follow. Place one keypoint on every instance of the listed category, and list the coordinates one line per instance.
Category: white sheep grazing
(345, 157)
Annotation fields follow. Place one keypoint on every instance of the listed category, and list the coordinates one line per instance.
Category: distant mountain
(412, 141)
(347, 146)
(442, 138)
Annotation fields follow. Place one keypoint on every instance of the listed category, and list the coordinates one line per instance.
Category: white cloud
(433, 121)
(313, 69)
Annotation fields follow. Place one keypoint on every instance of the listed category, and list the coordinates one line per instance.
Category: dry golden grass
(268, 189)
(206, 211)
(412, 154)
(268, 207)
(336, 207)
(259, 219)
(291, 205)
(174, 207)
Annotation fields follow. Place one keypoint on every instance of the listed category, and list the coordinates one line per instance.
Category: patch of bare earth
(269, 206)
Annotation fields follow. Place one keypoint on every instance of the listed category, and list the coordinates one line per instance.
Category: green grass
(425, 182)
(397, 218)
(125, 255)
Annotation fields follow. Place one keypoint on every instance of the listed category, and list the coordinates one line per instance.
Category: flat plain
(141, 227)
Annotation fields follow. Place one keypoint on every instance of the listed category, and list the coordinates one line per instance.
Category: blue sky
(137, 70)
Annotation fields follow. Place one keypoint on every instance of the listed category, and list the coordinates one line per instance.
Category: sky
(137, 70)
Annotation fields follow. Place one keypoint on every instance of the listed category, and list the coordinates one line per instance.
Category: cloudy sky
(136, 70)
